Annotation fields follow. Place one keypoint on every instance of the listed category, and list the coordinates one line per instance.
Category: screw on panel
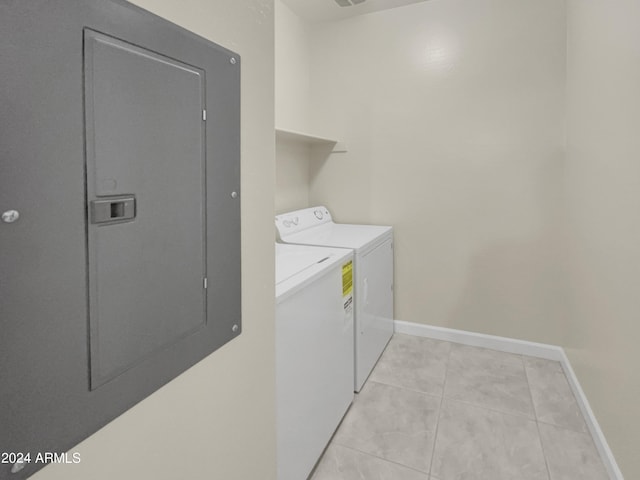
(234, 194)
(232, 60)
(10, 216)
(235, 328)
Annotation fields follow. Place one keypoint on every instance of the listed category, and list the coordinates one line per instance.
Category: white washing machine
(373, 276)
(314, 352)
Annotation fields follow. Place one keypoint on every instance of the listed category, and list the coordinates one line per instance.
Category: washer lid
(357, 237)
(314, 226)
(299, 265)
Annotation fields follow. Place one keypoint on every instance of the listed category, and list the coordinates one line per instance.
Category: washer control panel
(299, 220)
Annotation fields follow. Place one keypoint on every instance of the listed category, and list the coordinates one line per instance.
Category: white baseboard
(502, 344)
(594, 427)
(531, 349)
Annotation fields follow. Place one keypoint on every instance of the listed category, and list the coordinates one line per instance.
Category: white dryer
(314, 342)
(373, 275)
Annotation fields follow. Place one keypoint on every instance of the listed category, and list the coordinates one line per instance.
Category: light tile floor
(434, 410)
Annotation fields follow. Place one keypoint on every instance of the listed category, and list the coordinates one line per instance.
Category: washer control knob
(290, 223)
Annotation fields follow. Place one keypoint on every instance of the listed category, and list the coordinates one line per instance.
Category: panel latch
(113, 209)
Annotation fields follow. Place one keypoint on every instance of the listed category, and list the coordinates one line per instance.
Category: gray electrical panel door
(145, 142)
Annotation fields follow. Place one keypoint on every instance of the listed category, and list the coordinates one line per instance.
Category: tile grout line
(535, 413)
(491, 409)
(568, 429)
(593, 427)
(561, 371)
(404, 387)
(435, 433)
(349, 447)
(400, 387)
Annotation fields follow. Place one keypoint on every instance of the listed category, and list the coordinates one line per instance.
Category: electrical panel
(120, 156)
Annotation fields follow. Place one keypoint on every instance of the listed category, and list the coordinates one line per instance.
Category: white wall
(453, 111)
(603, 193)
(292, 53)
(292, 73)
(292, 175)
(217, 420)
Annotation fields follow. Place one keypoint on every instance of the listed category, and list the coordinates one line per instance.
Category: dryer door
(374, 308)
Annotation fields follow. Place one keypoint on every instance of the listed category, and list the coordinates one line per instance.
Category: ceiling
(323, 10)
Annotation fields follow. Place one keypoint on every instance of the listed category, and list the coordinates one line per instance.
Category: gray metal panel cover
(145, 136)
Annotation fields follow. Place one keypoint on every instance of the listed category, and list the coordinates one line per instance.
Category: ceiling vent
(348, 3)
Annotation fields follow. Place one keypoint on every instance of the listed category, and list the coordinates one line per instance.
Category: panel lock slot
(113, 209)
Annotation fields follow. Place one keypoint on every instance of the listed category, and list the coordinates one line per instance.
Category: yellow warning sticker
(347, 278)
